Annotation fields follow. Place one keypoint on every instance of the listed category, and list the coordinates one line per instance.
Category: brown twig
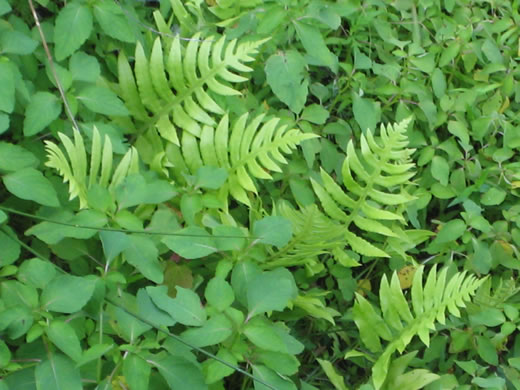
(53, 69)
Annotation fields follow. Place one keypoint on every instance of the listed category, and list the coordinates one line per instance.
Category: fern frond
(373, 177)
(250, 149)
(398, 325)
(73, 167)
(314, 234)
(172, 90)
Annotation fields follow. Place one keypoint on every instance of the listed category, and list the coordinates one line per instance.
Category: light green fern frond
(314, 234)
(72, 165)
(373, 178)
(398, 325)
(174, 90)
(250, 149)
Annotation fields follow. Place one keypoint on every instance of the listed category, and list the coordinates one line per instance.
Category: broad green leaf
(336, 379)
(113, 243)
(179, 372)
(219, 293)
(148, 310)
(84, 67)
(272, 378)
(30, 184)
(273, 231)
(57, 372)
(185, 308)
(366, 112)
(425, 63)
(136, 371)
(94, 352)
(361, 61)
(67, 294)
(63, 336)
(487, 350)
(459, 130)
(285, 73)
(135, 190)
(142, 253)
(214, 331)
(10, 251)
(14, 157)
(214, 370)
(15, 293)
(4, 7)
(314, 44)
(315, 113)
(492, 52)
(270, 291)
(493, 197)
(261, 333)
(450, 231)
(210, 177)
(5, 354)
(102, 101)
(129, 326)
(36, 272)
(440, 169)
(438, 83)
(113, 21)
(73, 27)
(243, 273)
(43, 108)
(191, 243)
(228, 238)
(7, 98)
(482, 259)
(177, 275)
(282, 363)
(16, 42)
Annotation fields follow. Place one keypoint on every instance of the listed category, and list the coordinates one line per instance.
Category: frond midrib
(179, 98)
(369, 184)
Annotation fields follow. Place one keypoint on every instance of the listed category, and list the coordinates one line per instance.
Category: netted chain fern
(314, 234)
(73, 166)
(247, 149)
(175, 91)
(374, 178)
(397, 325)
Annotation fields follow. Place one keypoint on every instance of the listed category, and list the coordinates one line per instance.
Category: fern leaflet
(73, 167)
(398, 325)
(373, 177)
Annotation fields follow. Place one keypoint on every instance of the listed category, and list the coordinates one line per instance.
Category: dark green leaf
(73, 27)
(30, 184)
(67, 294)
(102, 101)
(57, 372)
(41, 111)
(273, 231)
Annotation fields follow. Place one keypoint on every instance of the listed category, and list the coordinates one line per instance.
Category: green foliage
(196, 194)
(398, 325)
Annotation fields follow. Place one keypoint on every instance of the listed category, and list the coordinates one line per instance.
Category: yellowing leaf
(405, 276)
(363, 285)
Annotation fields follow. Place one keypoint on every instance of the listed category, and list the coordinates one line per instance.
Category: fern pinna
(176, 96)
(397, 325)
(374, 179)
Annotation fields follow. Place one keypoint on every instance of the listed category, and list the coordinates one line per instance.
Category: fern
(374, 179)
(166, 93)
(73, 167)
(314, 234)
(249, 150)
(398, 325)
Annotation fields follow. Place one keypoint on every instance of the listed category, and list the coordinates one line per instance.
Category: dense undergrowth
(259, 194)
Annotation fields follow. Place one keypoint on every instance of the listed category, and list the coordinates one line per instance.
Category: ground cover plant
(259, 194)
